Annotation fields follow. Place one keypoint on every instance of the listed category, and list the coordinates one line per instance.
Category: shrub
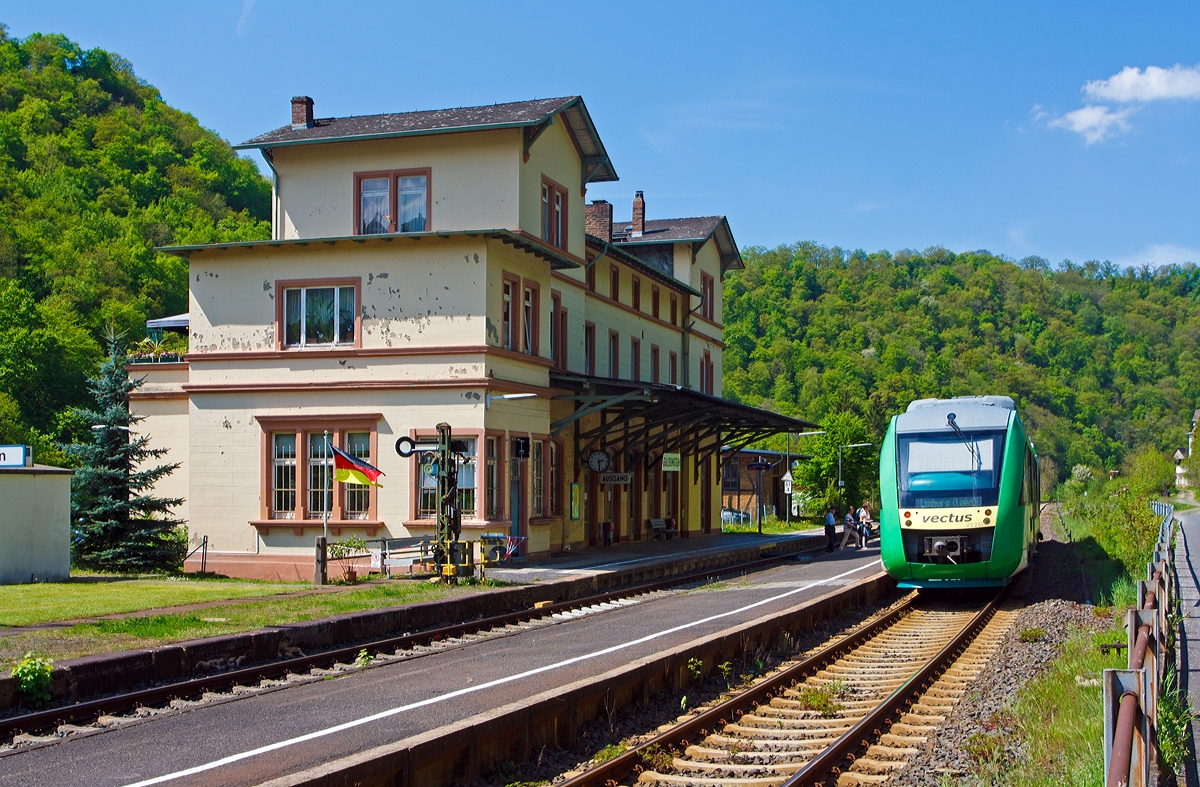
(609, 752)
(1175, 717)
(33, 677)
(1034, 634)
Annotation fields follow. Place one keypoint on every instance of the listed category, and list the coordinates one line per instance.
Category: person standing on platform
(830, 528)
(865, 521)
(850, 530)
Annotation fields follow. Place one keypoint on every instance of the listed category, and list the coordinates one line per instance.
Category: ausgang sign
(616, 478)
(13, 455)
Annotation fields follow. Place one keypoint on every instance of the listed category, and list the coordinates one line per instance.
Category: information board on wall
(576, 503)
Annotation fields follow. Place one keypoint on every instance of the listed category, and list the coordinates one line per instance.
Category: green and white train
(959, 494)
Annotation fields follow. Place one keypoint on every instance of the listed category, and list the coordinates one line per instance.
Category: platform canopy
(650, 418)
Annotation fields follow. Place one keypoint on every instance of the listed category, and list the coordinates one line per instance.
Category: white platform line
(208, 766)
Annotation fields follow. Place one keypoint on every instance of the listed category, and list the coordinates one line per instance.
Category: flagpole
(329, 481)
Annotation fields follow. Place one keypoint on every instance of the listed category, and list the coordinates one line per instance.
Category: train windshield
(944, 470)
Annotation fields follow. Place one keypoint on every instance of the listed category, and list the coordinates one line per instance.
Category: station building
(423, 266)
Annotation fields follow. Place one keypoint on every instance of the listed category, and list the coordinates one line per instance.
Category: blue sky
(1021, 128)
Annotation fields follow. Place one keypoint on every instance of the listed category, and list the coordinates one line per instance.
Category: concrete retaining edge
(91, 677)
(461, 752)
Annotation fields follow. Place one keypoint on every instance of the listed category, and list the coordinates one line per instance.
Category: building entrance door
(706, 512)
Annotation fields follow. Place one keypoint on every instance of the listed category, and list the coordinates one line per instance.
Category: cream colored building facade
(420, 264)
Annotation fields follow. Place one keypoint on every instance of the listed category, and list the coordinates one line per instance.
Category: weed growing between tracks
(105, 636)
(625, 728)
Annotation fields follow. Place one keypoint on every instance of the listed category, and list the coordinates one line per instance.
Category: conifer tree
(116, 525)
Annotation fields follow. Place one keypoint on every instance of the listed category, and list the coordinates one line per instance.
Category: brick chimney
(639, 215)
(302, 112)
(598, 219)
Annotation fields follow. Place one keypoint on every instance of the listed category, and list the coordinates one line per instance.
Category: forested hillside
(95, 171)
(1099, 359)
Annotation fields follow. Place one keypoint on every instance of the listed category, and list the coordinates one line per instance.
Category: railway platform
(251, 736)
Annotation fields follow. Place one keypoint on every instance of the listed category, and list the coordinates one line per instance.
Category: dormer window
(554, 214)
(396, 201)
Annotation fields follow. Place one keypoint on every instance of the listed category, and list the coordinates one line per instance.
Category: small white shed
(35, 524)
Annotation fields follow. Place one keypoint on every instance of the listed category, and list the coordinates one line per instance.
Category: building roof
(533, 116)
(697, 229)
(558, 260)
(624, 255)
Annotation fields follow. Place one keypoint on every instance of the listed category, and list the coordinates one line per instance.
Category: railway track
(851, 714)
(108, 711)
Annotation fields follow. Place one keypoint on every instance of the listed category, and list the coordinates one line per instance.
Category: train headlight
(987, 521)
(908, 523)
(987, 512)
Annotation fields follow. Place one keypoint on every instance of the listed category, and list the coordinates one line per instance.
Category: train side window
(1024, 500)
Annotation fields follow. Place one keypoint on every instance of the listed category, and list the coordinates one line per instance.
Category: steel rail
(858, 736)
(1122, 750)
(116, 703)
(622, 766)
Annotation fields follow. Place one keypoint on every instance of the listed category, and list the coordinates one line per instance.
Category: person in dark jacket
(830, 527)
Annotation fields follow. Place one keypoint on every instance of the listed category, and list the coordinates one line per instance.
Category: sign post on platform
(759, 466)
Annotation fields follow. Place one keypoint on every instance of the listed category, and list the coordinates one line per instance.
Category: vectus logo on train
(946, 518)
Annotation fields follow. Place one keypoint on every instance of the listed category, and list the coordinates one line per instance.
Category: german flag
(350, 470)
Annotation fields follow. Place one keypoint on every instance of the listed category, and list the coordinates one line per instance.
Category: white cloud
(1134, 84)
(247, 5)
(1160, 254)
(1095, 123)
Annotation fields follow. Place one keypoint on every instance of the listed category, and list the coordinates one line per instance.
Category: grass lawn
(773, 527)
(22, 605)
(1059, 719)
(110, 635)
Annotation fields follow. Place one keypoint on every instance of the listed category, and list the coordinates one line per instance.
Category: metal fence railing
(1131, 694)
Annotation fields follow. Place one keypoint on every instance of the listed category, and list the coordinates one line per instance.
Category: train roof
(970, 412)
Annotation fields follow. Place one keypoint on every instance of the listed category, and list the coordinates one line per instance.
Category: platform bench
(663, 529)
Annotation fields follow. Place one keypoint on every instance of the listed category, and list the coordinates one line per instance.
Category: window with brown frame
(635, 360)
(589, 349)
(673, 368)
(508, 312)
(537, 467)
(427, 485)
(529, 319)
(554, 213)
(654, 360)
(614, 355)
(706, 374)
(589, 277)
(298, 473)
(392, 201)
(654, 298)
(493, 508)
(674, 310)
(636, 293)
(614, 283)
(556, 478)
(707, 296)
(557, 324)
(318, 313)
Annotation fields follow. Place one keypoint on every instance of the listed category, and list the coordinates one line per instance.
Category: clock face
(598, 461)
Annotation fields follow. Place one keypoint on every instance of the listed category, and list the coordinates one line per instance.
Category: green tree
(859, 466)
(95, 172)
(117, 526)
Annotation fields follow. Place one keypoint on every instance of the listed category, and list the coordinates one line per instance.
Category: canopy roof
(650, 417)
